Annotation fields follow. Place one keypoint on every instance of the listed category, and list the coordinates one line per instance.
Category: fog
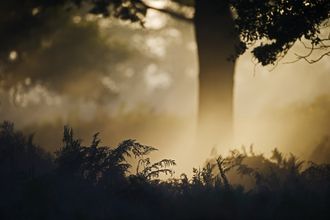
(145, 87)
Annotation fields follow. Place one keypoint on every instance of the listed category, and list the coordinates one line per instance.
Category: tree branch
(299, 57)
(179, 16)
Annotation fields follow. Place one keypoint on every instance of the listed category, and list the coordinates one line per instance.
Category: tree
(216, 82)
(215, 108)
(220, 37)
(282, 23)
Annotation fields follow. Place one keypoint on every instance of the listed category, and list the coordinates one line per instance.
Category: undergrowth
(96, 182)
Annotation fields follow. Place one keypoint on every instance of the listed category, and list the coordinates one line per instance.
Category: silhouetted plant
(243, 169)
(18, 153)
(321, 152)
(93, 183)
(294, 166)
(208, 177)
(228, 163)
(104, 164)
(317, 172)
(277, 156)
(197, 177)
(70, 157)
(153, 170)
(184, 182)
(21, 161)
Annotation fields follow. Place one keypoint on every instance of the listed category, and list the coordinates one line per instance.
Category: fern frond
(155, 174)
(243, 169)
(155, 169)
(140, 150)
(277, 156)
(260, 179)
(164, 163)
(145, 162)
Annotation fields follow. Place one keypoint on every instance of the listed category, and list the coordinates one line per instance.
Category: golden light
(155, 19)
(35, 11)
(13, 55)
(76, 19)
(160, 4)
(27, 81)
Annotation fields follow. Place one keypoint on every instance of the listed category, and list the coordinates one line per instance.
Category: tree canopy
(282, 22)
(32, 21)
(48, 46)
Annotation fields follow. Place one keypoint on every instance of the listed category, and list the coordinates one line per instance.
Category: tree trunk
(215, 42)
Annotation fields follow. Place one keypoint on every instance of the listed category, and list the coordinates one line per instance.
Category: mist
(130, 82)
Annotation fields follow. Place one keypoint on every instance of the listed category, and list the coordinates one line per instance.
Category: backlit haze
(153, 99)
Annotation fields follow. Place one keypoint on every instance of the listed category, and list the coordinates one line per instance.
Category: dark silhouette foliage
(18, 153)
(95, 182)
(34, 19)
(103, 165)
(20, 161)
(282, 23)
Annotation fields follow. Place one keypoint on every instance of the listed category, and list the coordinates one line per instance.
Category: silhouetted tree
(217, 34)
(283, 23)
(280, 22)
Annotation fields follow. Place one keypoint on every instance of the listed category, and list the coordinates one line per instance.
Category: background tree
(48, 47)
(281, 22)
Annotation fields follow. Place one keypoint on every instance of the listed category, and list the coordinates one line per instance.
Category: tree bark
(215, 42)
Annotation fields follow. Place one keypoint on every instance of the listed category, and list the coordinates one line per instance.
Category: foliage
(19, 153)
(20, 161)
(93, 183)
(48, 47)
(35, 19)
(282, 23)
(153, 170)
(99, 164)
(226, 164)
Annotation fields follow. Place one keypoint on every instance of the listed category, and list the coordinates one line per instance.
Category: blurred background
(132, 82)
